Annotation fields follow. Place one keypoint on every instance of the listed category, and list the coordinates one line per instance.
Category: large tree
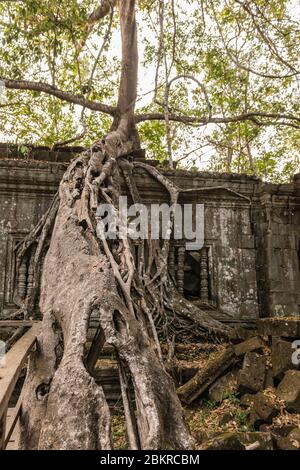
(84, 274)
(219, 79)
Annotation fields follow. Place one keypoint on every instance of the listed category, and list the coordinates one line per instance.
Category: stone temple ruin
(249, 267)
(247, 275)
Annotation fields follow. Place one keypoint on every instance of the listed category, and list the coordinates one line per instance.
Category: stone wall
(249, 266)
(277, 225)
(26, 190)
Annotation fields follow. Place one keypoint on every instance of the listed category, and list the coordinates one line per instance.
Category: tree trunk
(84, 274)
(63, 406)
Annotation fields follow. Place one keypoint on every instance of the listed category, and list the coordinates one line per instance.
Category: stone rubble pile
(264, 373)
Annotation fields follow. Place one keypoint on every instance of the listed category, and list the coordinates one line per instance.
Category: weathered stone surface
(281, 356)
(222, 386)
(247, 400)
(255, 420)
(265, 407)
(251, 377)
(243, 334)
(269, 380)
(287, 327)
(252, 344)
(294, 435)
(225, 441)
(27, 187)
(285, 443)
(213, 369)
(282, 430)
(289, 390)
(226, 418)
(264, 440)
(241, 441)
(203, 436)
(238, 235)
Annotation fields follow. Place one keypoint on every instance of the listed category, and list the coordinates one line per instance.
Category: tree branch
(237, 62)
(270, 44)
(250, 116)
(78, 136)
(200, 85)
(62, 95)
(102, 10)
(166, 106)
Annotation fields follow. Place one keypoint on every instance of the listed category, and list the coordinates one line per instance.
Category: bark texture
(135, 300)
(63, 406)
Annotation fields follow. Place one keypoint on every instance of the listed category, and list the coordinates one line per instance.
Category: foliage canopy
(231, 66)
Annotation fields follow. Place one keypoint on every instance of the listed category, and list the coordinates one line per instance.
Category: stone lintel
(287, 327)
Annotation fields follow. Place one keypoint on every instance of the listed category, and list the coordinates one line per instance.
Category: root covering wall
(248, 268)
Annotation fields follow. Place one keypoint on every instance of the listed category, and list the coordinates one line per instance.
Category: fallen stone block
(277, 430)
(226, 418)
(183, 370)
(213, 369)
(294, 436)
(281, 355)
(225, 441)
(269, 380)
(264, 440)
(265, 407)
(243, 334)
(255, 420)
(203, 436)
(288, 327)
(223, 386)
(253, 344)
(289, 390)
(285, 443)
(251, 377)
(247, 400)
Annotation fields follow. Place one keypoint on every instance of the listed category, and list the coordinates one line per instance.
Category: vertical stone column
(180, 268)
(30, 278)
(172, 259)
(268, 251)
(204, 275)
(22, 279)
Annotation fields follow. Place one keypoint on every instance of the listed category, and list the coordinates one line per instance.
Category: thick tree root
(159, 413)
(39, 237)
(196, 319)
(70, 408)
(83, 274)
